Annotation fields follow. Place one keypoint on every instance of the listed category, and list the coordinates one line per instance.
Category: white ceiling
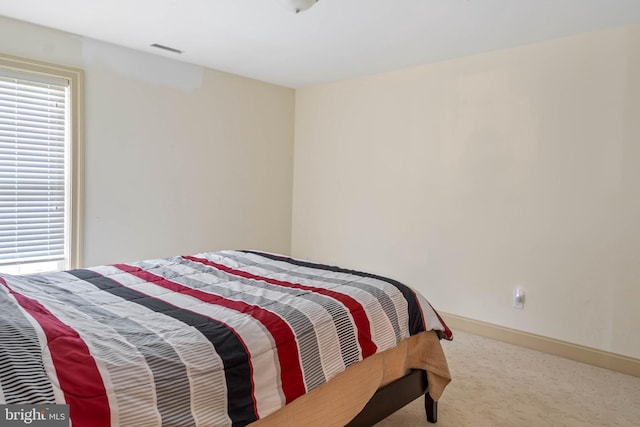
(336, 39)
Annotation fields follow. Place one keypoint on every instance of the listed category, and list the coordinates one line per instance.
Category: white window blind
(33, 137)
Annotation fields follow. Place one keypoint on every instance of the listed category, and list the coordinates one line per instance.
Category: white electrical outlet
(518, 298)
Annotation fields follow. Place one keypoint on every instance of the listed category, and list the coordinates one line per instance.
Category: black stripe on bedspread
(347, 336)
(416, 320)
(238, 376)
(170, 374)
(296, 319)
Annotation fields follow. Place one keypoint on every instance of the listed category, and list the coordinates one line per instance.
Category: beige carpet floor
(498, 384)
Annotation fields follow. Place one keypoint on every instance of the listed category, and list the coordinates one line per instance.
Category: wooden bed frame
(394, 396)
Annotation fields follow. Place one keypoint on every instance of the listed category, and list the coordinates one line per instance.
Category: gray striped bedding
(215, 339)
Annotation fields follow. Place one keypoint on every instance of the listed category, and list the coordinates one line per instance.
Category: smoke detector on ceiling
(298, 5)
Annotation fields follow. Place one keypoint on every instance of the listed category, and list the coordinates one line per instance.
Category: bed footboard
(394, 396)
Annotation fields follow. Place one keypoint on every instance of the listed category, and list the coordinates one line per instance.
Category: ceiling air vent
(167, 48)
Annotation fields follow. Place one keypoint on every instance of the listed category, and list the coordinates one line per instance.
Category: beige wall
(464, 178)
(178, 159)
(470, 177)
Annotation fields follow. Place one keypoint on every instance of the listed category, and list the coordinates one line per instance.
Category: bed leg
(431, 407)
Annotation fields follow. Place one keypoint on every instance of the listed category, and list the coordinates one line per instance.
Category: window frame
(75, 77)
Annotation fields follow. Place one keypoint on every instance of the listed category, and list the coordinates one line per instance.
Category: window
(40, 155)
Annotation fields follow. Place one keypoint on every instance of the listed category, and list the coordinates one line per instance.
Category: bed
(229, 338)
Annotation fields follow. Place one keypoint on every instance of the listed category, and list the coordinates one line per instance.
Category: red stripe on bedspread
(77, 372)
(288, 356)
(355, 308)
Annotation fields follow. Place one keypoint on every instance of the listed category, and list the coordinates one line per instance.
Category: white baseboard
(591, 356)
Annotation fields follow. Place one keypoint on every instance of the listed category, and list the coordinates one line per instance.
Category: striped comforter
(215, 339)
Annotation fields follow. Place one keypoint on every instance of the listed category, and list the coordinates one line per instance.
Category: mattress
(214, 339)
